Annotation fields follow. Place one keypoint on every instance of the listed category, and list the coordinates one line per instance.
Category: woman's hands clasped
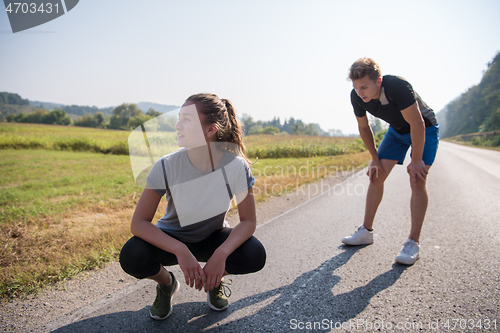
(193, 273)
(214, 271)
(207, 277)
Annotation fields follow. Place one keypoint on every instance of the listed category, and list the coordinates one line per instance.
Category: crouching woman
(199, 180)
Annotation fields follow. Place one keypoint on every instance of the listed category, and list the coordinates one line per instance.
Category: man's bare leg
(418, 206)
(376, 192)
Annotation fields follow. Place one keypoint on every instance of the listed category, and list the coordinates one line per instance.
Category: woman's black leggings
(141, 259)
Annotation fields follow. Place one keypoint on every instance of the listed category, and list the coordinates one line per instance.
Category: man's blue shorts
(394, 146)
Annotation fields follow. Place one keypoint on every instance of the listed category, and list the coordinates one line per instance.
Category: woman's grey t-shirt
(197, 201)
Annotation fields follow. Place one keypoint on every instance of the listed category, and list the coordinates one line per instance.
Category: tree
(55, 117)
(41, 116)
(122, 115)
(492, 123)
(256, 129)
(248, 122)
(99, 119)
(287, 125)
(271, 130)
(153, 113)
(85, 121)
(88, 120)
(298, 128)
(311, 129)
(35, 117)
(138, 120)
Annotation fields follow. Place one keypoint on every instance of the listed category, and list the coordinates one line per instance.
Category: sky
(270, 58)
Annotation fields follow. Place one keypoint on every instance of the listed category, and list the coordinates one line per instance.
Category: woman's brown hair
(221, 112)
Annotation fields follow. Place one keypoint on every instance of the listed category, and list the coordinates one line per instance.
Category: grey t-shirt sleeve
(156, 179)
(239, 176)
(246, 178)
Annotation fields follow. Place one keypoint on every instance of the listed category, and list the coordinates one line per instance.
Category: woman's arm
(143, 228)
(214, 269)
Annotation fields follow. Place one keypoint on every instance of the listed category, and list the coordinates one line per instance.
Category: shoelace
(357, 228)
(224, 286)
(408, 247)
(159, 300)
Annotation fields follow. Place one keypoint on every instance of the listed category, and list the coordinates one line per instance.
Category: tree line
(478, 109)
(129, 116)
(274, 126)
(124, 117)
(54, 117)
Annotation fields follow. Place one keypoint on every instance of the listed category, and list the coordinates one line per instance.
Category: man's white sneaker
(362, 236)
(409, 253)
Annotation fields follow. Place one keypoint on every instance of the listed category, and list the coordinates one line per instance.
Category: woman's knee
(252, 255)
(133, 256)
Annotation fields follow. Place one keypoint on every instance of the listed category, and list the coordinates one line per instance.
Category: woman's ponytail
(222, 113)
(235, 127)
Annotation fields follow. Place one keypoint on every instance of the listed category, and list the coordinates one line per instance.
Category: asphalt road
(312, 283)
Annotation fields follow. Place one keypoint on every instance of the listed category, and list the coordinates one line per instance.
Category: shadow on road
(310, 298)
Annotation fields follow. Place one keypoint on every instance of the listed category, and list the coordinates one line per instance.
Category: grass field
(62, 212)
(284, 146)
(56, 137)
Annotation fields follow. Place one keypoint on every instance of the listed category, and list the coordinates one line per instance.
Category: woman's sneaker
(162, 306)
(362, 236)
(409, 253)
(217, 297)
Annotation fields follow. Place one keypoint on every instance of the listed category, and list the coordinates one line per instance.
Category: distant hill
(12, 99)
(45, 105)
(478, 109)
(11, 103)
(441, 116)
(145, 106)
(83, 110)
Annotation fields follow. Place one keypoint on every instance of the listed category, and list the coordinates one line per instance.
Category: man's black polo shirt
(396, 95)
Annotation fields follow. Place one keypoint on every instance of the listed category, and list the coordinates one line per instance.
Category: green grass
(38, 184)
(275, 177)
(488, 140)
(49, 223)
(55, 137)
(276, 146)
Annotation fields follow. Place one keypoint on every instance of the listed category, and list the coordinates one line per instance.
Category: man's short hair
(364, 66)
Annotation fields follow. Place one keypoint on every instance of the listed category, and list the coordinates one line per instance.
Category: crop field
(55, 137)
(64, 209)
(284, 146)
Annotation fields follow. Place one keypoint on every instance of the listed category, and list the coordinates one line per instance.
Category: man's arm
(366, 133)
(416, 168)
